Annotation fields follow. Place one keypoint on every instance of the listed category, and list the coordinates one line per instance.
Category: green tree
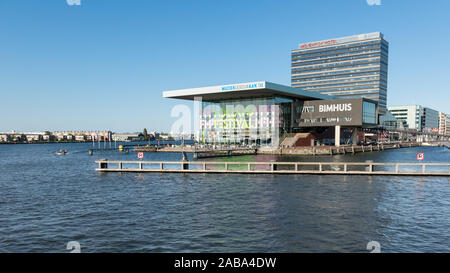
(145, 133)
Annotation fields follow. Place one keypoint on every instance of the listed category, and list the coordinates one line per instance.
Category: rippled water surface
(48, 200)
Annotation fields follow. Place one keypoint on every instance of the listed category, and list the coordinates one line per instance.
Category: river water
(48, 200)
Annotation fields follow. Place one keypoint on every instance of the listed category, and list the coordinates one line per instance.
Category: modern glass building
(348, 67)
(411, 115)
(417, 117)
(260, 113)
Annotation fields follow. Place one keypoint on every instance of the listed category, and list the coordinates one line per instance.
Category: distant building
(417, 117)
(389, 121)
(430, 120)
(443, 123)
(447, 126)
(127, 137)
(411, 115)
(80, 138)
(5, 138)
(153, 135)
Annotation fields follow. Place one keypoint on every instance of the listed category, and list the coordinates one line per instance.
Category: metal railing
(360, 168)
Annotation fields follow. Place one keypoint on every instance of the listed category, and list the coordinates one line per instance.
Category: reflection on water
(49, 200)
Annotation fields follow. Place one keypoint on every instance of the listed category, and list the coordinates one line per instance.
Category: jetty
(314, 168)
(206, 152)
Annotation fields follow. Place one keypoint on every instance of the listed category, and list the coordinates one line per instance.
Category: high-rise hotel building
(348, 67)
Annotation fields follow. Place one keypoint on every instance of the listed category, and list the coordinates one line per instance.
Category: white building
(443, 123)
(447, 125)
(126, 136)
(4, 138)
(411, 114)
(417, 117)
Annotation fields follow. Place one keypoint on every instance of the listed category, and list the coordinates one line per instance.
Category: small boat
(62, 152)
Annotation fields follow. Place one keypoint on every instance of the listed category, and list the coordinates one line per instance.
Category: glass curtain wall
(255, 121)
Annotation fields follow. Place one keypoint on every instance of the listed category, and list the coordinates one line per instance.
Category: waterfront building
(347, 67)
(5, 138)
(126, 136)
(430, 120)
(447, 126)
(262, 113)
(389, 121)
(417, 117)
(411, 115)
(80, 138)
(443, 127)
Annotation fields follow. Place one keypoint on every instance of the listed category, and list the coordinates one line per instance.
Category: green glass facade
(247, 121)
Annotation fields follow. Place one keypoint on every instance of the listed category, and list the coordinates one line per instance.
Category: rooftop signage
(347, 39)
(316, 44)
(242, 90)
(242, 86)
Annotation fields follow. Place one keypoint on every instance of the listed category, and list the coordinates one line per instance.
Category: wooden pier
(325, 168)
(310, 150)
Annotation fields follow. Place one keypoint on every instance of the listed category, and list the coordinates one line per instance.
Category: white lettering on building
(342, 107)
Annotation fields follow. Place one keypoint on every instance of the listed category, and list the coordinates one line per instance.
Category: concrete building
(411, 115)
(447, 126)
(389, 121)
(80, 138)
(443, 120)
(348, 67)
(126, 136)
(5, 138)
(417, 117)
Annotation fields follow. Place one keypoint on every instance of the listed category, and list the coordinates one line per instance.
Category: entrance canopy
(245, 90)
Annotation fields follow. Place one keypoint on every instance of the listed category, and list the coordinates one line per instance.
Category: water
(48, 200)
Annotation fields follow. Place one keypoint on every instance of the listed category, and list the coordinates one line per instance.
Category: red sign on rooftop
(316, 44)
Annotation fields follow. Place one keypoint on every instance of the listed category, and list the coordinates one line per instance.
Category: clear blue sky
(103, 64)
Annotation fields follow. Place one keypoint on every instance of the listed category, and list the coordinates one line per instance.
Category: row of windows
(342, 85)
(380, 84)
(331, 55)
(339, 70)
(301, 83)
(339, 51)
(337, 76)
(338, 81)
(369, 90)
(334, 65)
(369, 112)
(337, 59)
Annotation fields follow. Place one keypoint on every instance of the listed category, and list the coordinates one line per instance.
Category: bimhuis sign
(343, 112)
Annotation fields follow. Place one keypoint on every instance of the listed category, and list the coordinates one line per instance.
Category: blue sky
(104, 64)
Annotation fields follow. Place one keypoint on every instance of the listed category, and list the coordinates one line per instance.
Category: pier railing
(359, 168)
